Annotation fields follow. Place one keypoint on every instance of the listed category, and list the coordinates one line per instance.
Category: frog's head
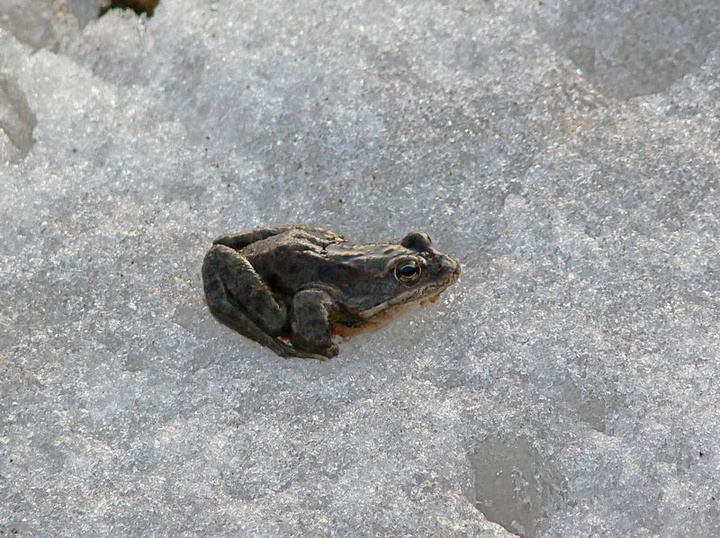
(399, 275)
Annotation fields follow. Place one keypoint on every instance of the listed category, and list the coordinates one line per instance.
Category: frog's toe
(326, 353)
(304, 345)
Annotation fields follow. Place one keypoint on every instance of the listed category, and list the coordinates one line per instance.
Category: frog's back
(292, 259)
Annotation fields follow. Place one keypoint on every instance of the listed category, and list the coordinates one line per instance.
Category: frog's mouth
(380, 315)
(413, 296)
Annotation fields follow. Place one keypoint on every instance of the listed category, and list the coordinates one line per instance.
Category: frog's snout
(449, 270)
(451, 265)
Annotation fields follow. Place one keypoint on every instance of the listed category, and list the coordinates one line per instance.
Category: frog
(294, 288)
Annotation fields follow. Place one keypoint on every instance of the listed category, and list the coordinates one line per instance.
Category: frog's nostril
(451, 266)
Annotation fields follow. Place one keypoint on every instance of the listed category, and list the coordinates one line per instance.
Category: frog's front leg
(310, 322)
(239, 298)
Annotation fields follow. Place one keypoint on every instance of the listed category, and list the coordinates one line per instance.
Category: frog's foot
(249, 329)
(245, 326)
(289, 350)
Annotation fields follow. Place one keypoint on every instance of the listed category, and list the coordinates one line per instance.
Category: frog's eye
(407, 271)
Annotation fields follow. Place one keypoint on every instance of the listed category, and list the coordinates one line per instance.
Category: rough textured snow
(565, 152)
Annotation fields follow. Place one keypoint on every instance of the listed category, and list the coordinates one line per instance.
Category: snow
(565, 152)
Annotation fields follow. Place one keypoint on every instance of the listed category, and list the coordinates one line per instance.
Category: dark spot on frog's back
(329, 271)
(417, 241)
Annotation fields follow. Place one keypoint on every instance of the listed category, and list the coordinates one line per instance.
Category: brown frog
(291, 288)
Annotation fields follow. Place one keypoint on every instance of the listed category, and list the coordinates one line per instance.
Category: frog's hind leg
(243, 239)
(237, 297)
